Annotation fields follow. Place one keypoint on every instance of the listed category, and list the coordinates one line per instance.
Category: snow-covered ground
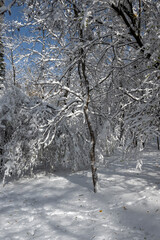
(64, 207)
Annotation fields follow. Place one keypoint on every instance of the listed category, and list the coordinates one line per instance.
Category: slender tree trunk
(13, 68)
(158, 143)
(85, 84)
(92, 150)
(2, 65)
(90, 128)
(139, 19)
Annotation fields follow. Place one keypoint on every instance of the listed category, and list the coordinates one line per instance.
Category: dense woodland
(79, 79)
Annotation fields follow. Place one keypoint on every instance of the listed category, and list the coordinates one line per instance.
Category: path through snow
(57, 207)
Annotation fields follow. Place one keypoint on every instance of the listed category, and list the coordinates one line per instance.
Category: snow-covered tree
(96, 65)
(106, 52)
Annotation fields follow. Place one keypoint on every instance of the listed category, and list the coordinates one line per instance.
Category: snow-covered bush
(107, 142)
(70, 146)
(19, 118)
(24, 142)
(10, 103)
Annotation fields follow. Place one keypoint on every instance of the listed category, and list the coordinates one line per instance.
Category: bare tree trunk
(158, 143)
(2, 65)
(90, 128)
(85, 84)
(92, 150)
(13, 68)
(139, 19)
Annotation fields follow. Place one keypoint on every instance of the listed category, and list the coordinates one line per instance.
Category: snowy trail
(127, 205)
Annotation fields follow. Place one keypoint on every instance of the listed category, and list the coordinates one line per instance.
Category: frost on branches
(92, 76)
(25, 147)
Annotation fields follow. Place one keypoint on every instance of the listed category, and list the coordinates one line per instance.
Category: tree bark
(2, 65)
(158, 143)
(90, 128)
(92, 150)
(85, 84)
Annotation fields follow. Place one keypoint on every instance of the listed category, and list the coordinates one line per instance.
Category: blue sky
(16, 15)
(16, 12)
(24, 48)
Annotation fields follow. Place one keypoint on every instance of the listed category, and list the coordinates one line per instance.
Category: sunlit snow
(63, 206)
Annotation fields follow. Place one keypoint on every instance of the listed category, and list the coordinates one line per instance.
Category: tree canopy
(90, 71)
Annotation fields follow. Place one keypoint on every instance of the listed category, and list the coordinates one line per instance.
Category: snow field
(64, 207)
